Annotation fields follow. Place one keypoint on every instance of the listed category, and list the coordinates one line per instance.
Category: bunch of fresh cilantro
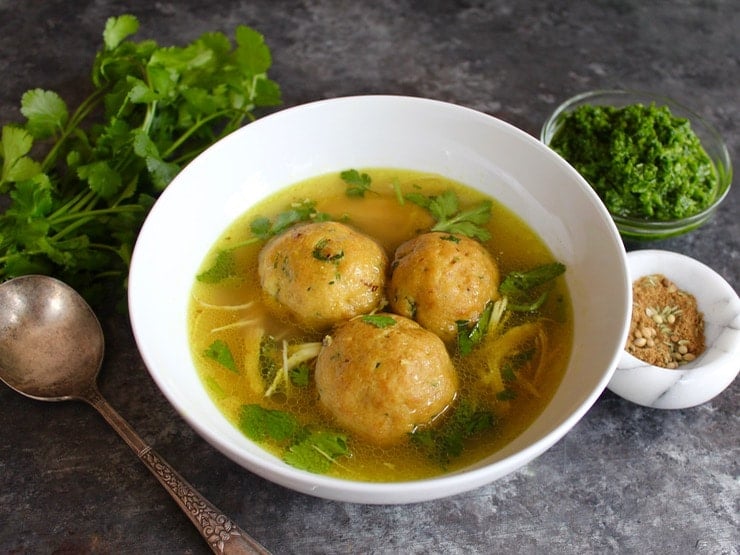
(78, 184)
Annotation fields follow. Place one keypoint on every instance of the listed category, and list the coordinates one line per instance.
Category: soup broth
(228, 319)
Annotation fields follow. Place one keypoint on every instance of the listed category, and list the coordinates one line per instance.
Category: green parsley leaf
(220, 352)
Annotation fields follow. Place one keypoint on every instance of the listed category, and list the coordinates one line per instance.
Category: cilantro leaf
(101, 178)
(357, 183)
(445, 209)
(252, 52)
(310, 450)
(224, 266)
(468, 337)
(220, 352)
(46, 112)
(447, 442)
(16, 142)
(304, 211)
(317, 451)
(519, 286)
(260, 424)
(519, 282)
(117, 29)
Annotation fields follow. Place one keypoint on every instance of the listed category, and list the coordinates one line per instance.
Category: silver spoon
(51, 349)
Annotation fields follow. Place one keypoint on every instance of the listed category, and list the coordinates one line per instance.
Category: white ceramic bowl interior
(704, 378)
(379, 131)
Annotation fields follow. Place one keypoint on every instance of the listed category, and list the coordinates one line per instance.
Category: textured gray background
(625, 479)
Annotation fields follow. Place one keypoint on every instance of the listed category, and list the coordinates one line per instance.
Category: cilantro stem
(81, 218)
(198, 125)
(73, 124)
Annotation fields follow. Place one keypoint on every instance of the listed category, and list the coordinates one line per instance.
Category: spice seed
(667, 329)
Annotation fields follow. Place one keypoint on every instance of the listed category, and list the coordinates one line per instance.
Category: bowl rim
(641, 226)
(418, 490)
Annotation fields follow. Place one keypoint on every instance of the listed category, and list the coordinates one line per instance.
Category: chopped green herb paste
(642, 161)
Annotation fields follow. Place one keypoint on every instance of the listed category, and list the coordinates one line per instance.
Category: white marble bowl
(710, 373)
(379, 131)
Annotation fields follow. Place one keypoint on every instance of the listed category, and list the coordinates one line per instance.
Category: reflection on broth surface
(258, 358)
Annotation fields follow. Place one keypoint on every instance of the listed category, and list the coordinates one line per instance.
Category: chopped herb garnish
(322, 252)
(379, 320)
(445, 210)
(642, 160)
(299, 375)
(220, 352)
(357, 183)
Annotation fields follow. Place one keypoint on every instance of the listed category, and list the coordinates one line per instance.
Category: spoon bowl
(51, 345)
(51, 349)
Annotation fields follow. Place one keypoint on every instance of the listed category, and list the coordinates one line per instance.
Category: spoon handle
(221, 533)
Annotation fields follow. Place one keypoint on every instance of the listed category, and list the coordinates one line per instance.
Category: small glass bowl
(637, 229)
(705, 377)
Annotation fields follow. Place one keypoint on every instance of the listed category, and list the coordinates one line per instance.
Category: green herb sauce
(642, 161)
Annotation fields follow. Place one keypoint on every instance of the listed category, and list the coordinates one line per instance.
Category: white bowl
(710, 373)
(379, 131)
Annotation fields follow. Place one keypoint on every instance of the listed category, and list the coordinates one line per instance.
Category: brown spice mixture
(667, 329)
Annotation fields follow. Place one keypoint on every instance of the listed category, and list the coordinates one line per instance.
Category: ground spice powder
(667, 329)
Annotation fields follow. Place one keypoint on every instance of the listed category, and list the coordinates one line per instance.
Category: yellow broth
(233, 311)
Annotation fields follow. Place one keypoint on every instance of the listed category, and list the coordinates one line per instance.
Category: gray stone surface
(624, 480)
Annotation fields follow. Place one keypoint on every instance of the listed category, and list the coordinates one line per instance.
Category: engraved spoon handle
(220, 532)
